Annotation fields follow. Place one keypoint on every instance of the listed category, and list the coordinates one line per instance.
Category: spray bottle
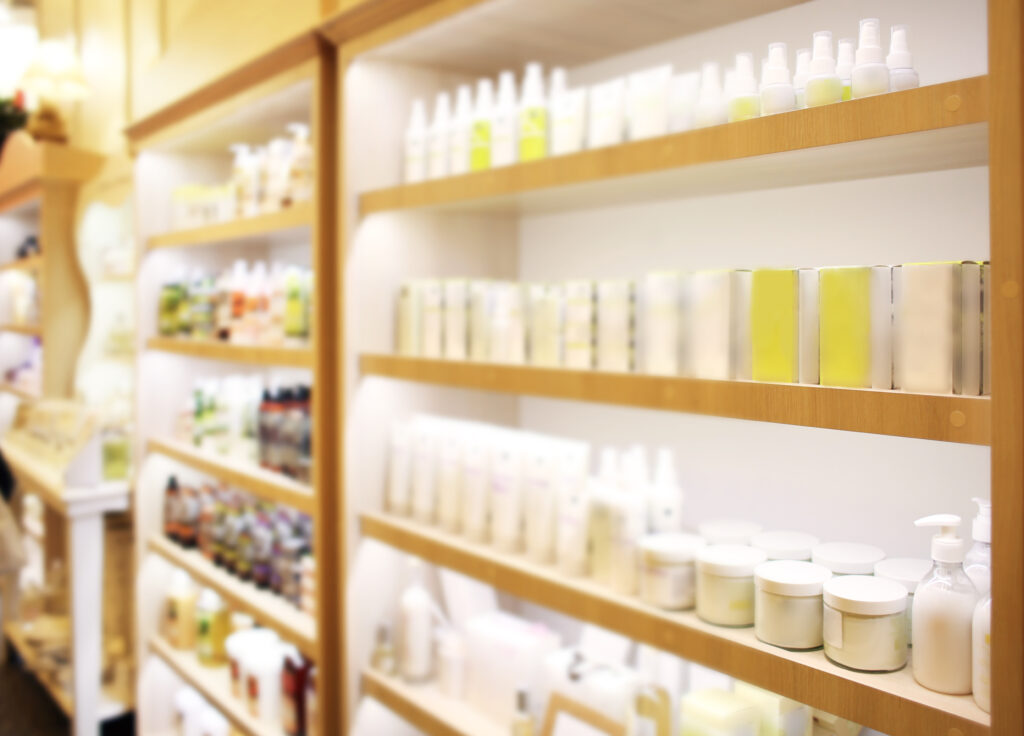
(483, 123)
(823, 84)
(900, 62)
(710, 109)
(744, 101)
(506, 118)
(803, 68)
(777, 94)
(870, 74)
(533, 115)
(416, 144)
(438, 137)
(665, 505)
(943, 611)
(844, 66)
(459, 131)
(978, 562)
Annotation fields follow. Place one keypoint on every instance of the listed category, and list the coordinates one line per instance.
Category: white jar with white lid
(865, 626)
(788, 603)
(848, 558)
(725, 584)
(728, 531)
(784, 545)
(908, 572)
(668, 570)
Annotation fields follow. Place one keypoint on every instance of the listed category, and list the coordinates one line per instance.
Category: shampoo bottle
(823, 84)
(744, 101)
(777, 94)
(438, 137)
(943, 613)
(416, 144)
(506, 121)
(981, 646)
(870, 75)
(483, 123)
(978, 562)
(901, 66)
(460, 131)
(665, 505)
(710, 108)
(803, 68)
(844, 66)
(533, 115)
(417, 614)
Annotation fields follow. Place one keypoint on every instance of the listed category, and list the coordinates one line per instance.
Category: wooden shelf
(931, 128)
(19, 392)
(226, 351)
(426, 708)
(266, 484)
(259, 227)
(32, 263)
(893, 703)
(26, 166)
(32, 330)
(965, 419)
(270, 610)
(214, 684)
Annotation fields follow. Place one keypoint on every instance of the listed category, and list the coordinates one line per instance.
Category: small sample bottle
(844, 66)
(823, 84)
(870, 75)
(803, 67)
(900, 62)
(416, 144)
(504, 144)
(522, 723)
(483, 123)
(438, 137)
(533, 115)
(383, 657)
(710, 109)
(777, 93)
(744, 101)
(460, 131)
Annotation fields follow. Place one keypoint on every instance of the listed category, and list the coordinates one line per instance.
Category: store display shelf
(32, 330)
(214, 684)
(32, 263)
(932, 128)
(252, 354)
(263, 483)
(268, 609)
(19, 392)
(425, 707)
(893, 703)
(259, 227)
(965, 419)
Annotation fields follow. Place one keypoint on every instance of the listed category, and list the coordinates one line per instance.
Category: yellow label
(847, 91)
(533, 134)
(773, 325)
(844, 314)
(480, 146)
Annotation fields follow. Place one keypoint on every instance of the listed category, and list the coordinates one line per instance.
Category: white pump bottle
(417, 612)
(800, 74)
(901, 65)
(665, 505)
(943, 612)
(416, 144)
(978, 562)
(777, 94)
(870, 75)
(823, 84)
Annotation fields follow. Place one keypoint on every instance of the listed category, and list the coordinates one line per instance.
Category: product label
(253, 692)
(480, 146)
(236, 679)
(533, 134)
(832, 628)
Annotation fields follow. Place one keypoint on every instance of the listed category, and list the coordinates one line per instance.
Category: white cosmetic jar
(668, 570)
(728, 531)
(788, 603)
(908, 572)
(848, 558)
(782, 545)
(865, 623)
(725, 584)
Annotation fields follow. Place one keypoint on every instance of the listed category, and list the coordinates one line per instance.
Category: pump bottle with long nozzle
(978, 562)
(777, 94)
(823, 84)
(901, 65)
(870, 75)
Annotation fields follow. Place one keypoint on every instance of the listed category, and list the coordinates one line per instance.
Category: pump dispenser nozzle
(744, 82)
(899, 52)
(776, 71)
(844, 62)
(981, 528)
(822, 62)
(946, 545)
(869, 43)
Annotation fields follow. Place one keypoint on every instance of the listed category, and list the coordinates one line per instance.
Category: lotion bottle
(665, 505)
(870, 75)
(978, 562)
(533, 115)
(744, 101)
(710, 109)
(417, 613)
(844, 66)
(506, 121)
(803, 69)
(900, 62)
(416, 144)
(981, 646)
(483, 124)
(438, 137)
(823, 84)
(777, 93)
(943, 613)
(460, 131)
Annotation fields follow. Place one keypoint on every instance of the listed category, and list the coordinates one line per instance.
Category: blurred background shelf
(31, 330)
(229, 352)
(250, 228)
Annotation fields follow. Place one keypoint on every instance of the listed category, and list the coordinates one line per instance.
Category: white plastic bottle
(978, 562)
(483, 125)
(943, 613)
(438, 137)
(416, 144)
(710, 108)
(803, 69)
(416, 610)
(504, 143)
(400, 470)
(541, 503)
(424, 470)
(460, 131)
(572, 540)
(981, 673)
(533, 115)
(744, 101)
(844, 66)
(665, 503)
(628, 522)
(870, 75)
(901, 64)
(475, 485)
(507, 494)
(823, 85)
(449, 478)
(777, 93)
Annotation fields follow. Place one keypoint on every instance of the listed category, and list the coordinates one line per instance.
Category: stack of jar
(242, 305)
(272, 678)
(255, 540)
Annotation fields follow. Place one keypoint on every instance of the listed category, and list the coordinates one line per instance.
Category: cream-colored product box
(717, 324)
(659, 333)
(545, 307)
(456, 319)
(615, 310)
(579, 325)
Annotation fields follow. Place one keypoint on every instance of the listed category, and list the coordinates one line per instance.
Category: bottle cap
(744, 82)
(844, 62)
(791, 577)
(729, 560)
(981, 528)
(946, 545)
(442, 110)
(869, 46)
(506, 90)
(899, 52)
(803, 66)
(776, 71)
(783, 545)
(464, 102)
(484, 96)
(823, 64)
(907, 571)
(710, 81)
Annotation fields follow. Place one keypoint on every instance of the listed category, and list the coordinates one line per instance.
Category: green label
(480, 146)
(533, 134)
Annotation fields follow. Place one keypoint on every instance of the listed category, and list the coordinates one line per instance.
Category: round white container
(783, 545)
(788, 603)
(668, 570)
(728, 531)
(725, 584)
(262, 665)
(848, 558)
(865, 626)
(908, 572)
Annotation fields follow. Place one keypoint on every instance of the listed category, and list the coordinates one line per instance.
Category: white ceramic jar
(728, 531)
(848, 558)
(725, 584)
(783, 545)
(668, 570)
(788, 603)
(908, 572)
(865, 623)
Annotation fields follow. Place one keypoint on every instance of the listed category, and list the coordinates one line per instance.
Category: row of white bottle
(492, 129)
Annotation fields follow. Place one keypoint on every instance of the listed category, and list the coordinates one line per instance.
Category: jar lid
(907, 571)
(791, 577)
(730, 560)
(670, 548)
(847, 558)
(783, 545)
(865, 595)
(728, 531)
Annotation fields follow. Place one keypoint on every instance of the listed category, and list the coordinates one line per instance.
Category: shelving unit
(32, 263)
(427, 708)
(299, 215)
(229, 352)
(30, 330)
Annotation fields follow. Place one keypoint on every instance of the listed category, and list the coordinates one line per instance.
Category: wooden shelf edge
(269, 610)
(963, 419)
(214, 684)
(20, 393)
(893, 703)
(14, 634)
(23, 264)
(263, 483)
(251, 354)
(934, 107)
(298, 215)
(31, 330)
